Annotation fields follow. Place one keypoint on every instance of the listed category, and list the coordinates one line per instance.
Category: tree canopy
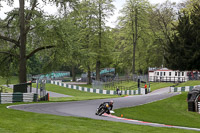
(183, 51)
(78, 40)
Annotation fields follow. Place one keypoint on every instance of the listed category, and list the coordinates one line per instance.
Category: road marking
(150, 123)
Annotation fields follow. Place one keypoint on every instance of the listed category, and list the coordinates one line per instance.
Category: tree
(183, 52)
(86, 22)
(104, 9)
(133, 23)
(162, 18)
(23, 20)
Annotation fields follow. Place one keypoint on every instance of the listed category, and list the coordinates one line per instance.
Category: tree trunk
(22, 60)
(98, 70)
(134, 47)
(73, 74)
(98, 63)
(135, 35)
(89, 82)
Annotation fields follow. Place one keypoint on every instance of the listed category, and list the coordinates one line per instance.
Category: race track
(88, 108)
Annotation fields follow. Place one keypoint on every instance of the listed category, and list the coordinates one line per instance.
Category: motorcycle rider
(109, 106)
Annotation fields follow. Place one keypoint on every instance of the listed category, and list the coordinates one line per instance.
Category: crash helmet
(111, 102)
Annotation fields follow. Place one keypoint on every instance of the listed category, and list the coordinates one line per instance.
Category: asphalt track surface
(88, 108)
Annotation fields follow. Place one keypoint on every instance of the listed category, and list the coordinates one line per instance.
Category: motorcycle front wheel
(101, 111)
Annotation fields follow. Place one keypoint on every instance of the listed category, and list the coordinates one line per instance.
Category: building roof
(159, 69)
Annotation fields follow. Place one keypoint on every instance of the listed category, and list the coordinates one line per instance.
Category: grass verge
(171, 111)
(13, 121)
(159, 85)
(126, 84)
(12, 80)
(189, 83)
(4, 89)
(77, 95)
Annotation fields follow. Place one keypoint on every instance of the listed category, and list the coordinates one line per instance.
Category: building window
(182, 73)
(175, 73)
(178, 73)
(158, 73)
(170, 73)
(164, 73)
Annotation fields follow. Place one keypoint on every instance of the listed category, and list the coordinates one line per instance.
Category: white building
(167, 75)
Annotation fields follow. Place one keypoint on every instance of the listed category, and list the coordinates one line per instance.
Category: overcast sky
(52, 9)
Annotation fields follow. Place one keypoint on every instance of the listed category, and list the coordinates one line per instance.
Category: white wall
(164, 75)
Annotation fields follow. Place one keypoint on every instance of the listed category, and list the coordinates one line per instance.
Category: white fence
(140, 91)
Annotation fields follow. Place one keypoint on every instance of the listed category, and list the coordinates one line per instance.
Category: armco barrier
(181, 89)
(140, 91)
(199, 107)
(17, 97)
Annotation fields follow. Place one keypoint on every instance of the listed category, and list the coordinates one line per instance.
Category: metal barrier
(22, 87)
(17, 97)
(193, 99)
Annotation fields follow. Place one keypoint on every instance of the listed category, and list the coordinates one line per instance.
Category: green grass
(12, 80)
(77, 95)
(85, 85)
(189, 83)
(172, 111)
(153, 85)
(122, 85)
(126, 84)
(4, 89)
(159, 85)
(13, 121)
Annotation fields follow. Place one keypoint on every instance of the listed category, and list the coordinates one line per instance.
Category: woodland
(78, 40)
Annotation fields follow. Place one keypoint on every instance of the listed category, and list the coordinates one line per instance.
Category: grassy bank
(12, 80)
(5, 89)
(77, 95)
(13, 121)
(172, 111)
(189, 83)
(133, 85)
(159, 85)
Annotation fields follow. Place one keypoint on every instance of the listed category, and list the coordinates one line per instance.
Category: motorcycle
(103, 109)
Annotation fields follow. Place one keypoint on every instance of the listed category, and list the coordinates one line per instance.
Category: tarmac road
(88, 108)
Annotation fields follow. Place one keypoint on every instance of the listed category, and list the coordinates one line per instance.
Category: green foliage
(183, 51)
(147, 51)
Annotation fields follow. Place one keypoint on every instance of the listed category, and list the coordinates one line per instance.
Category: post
(138, 83)
(37, 89)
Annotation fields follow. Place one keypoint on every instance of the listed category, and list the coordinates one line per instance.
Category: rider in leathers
(110, 104)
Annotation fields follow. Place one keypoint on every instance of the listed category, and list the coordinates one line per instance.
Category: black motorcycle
(103, 109)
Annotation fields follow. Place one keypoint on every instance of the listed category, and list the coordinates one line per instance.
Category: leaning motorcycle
(102, 109)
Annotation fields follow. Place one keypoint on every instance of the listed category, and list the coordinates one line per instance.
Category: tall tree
(87, 36)
(132, 25)
(183, 52)
(104, 9)
(26, 16)
(161, 19)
